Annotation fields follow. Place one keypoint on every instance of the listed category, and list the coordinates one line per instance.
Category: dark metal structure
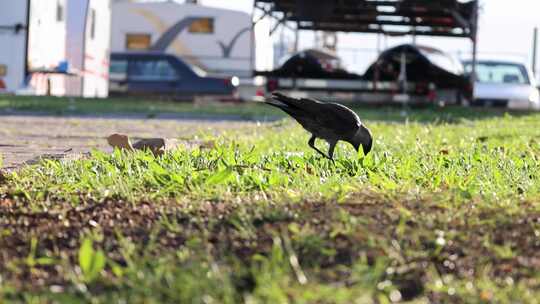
(450, 18)
(446, 18)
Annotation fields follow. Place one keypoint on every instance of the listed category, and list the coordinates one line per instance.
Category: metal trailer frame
(443, 18)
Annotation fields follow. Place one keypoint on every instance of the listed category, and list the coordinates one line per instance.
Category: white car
(504, 84)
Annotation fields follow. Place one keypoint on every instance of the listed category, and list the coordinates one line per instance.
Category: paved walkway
(25, 138)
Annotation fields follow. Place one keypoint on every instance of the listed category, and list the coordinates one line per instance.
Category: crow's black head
(363, 138)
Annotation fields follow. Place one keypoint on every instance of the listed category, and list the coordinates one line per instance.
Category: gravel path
(25, 138)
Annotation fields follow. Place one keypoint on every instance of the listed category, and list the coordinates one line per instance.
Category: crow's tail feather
(292, 111)
(276, 104)
(294, 107)
(289, 101)
(285, 108)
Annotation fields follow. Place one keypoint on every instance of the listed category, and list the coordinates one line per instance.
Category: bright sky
(506, 29)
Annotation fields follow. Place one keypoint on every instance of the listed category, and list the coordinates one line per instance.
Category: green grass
(250, 110)
(445, 209)
(134, 106)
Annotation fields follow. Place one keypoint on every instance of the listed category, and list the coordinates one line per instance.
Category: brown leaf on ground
(158, 146)
(120, 141)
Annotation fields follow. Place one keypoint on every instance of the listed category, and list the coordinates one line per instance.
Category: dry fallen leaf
(158, 146)
(120, 141)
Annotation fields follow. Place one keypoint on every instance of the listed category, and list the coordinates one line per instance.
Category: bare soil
(60, 230)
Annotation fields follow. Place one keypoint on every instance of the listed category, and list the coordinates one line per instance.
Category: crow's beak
(367, 147)
(363, 138)
(368, 143)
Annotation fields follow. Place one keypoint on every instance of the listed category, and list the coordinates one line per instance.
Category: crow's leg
(332, 146)
(311, 143)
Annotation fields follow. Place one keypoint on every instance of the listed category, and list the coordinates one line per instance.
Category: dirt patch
(25, 138)
(411, 237)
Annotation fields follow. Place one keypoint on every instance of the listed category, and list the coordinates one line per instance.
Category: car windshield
(499, 72)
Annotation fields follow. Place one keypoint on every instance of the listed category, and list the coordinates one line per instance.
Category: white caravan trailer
(218, 41)
(65, 51)
(88, 46)
(13, 39)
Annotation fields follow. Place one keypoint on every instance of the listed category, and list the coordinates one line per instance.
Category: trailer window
(3, 70)
(202, 26)
(138, 41)
(152, 70)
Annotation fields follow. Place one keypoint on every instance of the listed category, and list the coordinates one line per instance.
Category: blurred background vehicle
(312, 63)
(501, 83)
(421, 73)
(403, 73)
(159, 74)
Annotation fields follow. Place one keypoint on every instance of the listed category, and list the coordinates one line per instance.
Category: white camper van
(218, 41)
(58, 48)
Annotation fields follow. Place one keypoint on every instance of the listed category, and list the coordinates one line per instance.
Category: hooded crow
(329, 121)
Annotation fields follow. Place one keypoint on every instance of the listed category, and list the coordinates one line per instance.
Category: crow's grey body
(329, 121)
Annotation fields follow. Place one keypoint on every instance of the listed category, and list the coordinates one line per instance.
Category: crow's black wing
(299, 109)
(338, 118)
(318, 117)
